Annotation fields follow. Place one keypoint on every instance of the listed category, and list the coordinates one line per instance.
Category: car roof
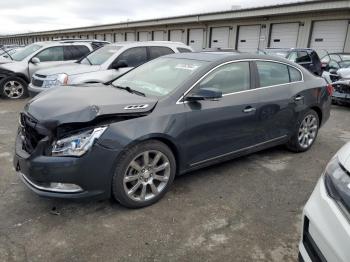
(290, 49)
(150, 43)
(226, 56)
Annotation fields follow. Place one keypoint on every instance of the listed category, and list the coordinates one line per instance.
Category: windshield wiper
(130, 90)
(5, 51)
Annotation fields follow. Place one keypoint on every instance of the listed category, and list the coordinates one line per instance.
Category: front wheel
(305, 132)
(13, 88)
(143, 174)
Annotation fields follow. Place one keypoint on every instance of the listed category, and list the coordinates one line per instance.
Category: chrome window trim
(180, 102)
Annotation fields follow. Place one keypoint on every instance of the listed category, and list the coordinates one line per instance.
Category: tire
(13, 87)
(305, 132)
(149, 182)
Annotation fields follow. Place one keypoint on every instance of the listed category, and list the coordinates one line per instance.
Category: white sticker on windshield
(186, 67)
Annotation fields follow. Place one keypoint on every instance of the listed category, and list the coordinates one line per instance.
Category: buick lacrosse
(129, 138)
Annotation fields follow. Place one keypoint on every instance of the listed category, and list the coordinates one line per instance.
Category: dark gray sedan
(167, 117)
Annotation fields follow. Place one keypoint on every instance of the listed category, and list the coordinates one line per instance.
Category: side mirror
(35, 60)
(205, 94)
(119, 64)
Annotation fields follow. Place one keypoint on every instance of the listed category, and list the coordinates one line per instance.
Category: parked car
(104, 64)
(335, 60)
(305, 57)
(326, 216)
(167, 117)
(15, 75)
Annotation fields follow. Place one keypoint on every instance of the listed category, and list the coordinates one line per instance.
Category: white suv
(16, 73)
(326, 216)
(104, 64)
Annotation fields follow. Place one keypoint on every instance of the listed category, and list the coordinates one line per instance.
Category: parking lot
(248, 209)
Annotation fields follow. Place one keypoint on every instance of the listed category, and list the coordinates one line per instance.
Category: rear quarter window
(294, 74)
(184, 50)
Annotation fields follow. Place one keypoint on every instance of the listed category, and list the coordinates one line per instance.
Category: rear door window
(75, 52)
(51, 54)
(272, 73)
(157, 51)
(134, 56)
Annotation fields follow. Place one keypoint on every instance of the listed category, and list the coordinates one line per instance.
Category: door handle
(249, 109)
(298, 98)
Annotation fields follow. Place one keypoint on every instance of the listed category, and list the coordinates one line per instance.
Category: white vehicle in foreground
(326, 216)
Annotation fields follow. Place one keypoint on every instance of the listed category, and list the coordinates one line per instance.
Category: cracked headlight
(78, 144)
(337, 180)
(55, 80)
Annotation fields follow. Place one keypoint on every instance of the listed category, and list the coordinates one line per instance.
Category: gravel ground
(248, 209)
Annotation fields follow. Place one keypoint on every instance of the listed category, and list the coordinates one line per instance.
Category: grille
(334, 78)
(30, 137)
(342, 89)
(37, 82)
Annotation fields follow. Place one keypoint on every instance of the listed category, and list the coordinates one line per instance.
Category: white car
(104, 65)
(326, 216)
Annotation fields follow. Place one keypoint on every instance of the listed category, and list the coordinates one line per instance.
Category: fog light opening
(64, 187)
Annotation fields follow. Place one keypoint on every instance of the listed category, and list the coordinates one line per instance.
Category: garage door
(284, 35)
(248, 38)
(196, 39)
(130, 36)
(158, 35)
(329, 35)
(109, 37)
(143, 36)
(176, 36)
(220, 37)
(119, 37)
(100, 37)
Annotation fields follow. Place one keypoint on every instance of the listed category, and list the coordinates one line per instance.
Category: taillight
(330, 89)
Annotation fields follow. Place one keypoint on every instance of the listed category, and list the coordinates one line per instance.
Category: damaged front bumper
(66, 177)
(341, 91)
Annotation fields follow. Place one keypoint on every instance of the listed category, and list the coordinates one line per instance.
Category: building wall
(305, 21)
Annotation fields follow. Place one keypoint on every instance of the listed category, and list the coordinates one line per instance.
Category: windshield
(25, 52)
(100, 55)
(161, 76)
(280, 53)
(344, 64)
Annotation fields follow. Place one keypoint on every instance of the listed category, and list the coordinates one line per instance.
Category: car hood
(344, 73)
(15, 66)
(344, 156)
(4, 60)
(81, 104)
(69, 69)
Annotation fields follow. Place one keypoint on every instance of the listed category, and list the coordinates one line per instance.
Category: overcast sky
(18, 16)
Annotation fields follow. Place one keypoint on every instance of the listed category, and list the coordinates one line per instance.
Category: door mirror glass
(206, 93)
(35, 60)
(119, 64)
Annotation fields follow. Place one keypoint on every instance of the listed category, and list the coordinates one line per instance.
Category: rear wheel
(143, 174)
(13, 88)
(305, 132)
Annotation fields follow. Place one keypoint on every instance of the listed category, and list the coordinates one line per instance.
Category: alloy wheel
(147, 175)
(13, 89)
(307, 131)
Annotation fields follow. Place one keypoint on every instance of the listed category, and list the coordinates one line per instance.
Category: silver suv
(16, 74)
(104, 64)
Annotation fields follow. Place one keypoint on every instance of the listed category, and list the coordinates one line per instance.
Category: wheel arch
(319, 113)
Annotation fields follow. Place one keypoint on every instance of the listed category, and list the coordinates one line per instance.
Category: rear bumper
(92, 172)
(326, 230)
